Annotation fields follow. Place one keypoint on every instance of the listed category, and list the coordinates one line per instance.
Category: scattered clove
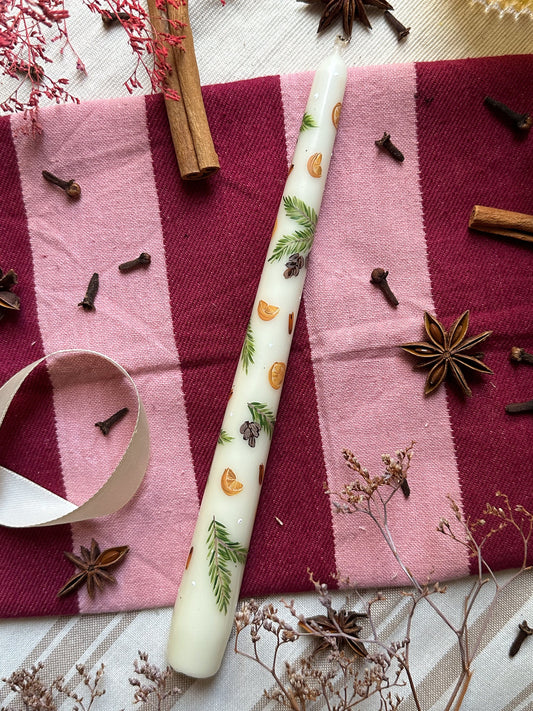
(88, 300)
(524, 630)
(34, 71)
(401, 30)
(109, 18)
(71, 187)
(106, 425)
(404, 486)
(379, 278)
(386, 143)
(519, 355)
(521, 122)
(8, 300)
(143, 260)
(515, 408)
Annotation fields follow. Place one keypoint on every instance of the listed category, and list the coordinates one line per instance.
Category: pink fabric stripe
(28, 442)
(116, 218)
(487, 164)
(368, 399)
(216, 236)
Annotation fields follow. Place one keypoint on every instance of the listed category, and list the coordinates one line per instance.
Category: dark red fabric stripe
(28, 442)
(216, 234)
(468, 157)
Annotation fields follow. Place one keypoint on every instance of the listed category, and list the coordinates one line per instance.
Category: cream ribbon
(24, 504)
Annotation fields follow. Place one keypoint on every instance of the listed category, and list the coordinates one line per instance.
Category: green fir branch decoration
(222, 551)
(291, 244)
(304, 215)
(301, 240)
(248, 349)
(263, 416)
(224, 437)
(307, 122)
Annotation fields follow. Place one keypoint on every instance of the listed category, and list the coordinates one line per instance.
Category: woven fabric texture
(178, 326)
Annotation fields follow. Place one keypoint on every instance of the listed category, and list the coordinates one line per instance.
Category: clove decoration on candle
(209, 590)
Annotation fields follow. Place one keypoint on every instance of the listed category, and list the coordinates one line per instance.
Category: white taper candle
(209, 589)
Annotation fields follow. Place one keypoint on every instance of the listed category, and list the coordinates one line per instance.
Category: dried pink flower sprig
(29, 28)
(150, 49)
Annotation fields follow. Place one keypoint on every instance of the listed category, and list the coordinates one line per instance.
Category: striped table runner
(178, 326)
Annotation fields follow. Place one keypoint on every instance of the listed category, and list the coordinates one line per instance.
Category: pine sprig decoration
(224, 437)
(222, 551)
(265, 417)
(248, 349)
(303, 214)
(291, 244)
(301, 240)
(307, 122)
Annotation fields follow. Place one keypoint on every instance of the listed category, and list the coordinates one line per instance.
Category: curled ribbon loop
(24, 504)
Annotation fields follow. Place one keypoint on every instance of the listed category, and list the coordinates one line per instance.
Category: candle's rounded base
(195, 647)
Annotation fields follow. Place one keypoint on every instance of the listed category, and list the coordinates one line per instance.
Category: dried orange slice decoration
(313, 165)
(267, 311)
(229, 483)
(276, 374)
(336, 114)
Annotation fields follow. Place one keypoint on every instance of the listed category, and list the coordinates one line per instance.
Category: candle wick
(340, 43)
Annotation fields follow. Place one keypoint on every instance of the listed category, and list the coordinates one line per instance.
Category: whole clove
(386, 143)
(143, 260)
(88, 300)
(519, 355)
(379, 278)
(515, 408)
(110, 18)
(106, 425)
(406, 489)
(521, 122)
(524, 630)
(71, 187)
(401, 30)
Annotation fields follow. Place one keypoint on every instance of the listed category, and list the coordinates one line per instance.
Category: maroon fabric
(27, 438)
(468, 157)
(210, 323)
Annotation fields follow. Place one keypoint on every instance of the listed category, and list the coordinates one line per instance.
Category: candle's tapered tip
(340, 43)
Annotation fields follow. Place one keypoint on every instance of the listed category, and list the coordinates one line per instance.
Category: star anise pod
(445, 352)
(329, 626)
(349, 10)
(93, 565)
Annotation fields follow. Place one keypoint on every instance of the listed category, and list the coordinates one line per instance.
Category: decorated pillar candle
(209, 589)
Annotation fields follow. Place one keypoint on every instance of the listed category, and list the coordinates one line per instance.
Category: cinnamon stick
(189, 128)
(502, 222)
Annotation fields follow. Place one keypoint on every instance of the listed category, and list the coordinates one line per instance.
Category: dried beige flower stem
(371, 495)
(380, 667)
